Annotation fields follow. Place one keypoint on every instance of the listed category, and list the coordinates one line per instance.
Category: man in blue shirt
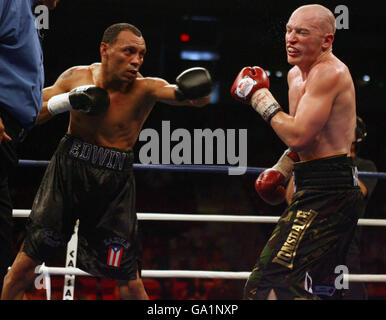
(21, 84)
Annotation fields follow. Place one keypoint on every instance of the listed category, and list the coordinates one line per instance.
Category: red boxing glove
(248, 81)
(269, 186)
(252, 87)
(270, 183)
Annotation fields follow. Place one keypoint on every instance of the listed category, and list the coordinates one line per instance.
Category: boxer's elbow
(296, 145)
(295, 135)
(299, 141)
(43, 116)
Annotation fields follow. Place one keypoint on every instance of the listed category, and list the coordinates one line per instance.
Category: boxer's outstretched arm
(162, 91)
(192, 88)
(312, 111)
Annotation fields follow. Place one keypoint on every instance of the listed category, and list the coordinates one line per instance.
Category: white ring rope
(23, 213)
(71, 272)
(242, 275)
(239, 275)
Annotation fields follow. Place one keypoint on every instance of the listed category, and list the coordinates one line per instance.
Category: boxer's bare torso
(120, 125)
(336, 133)
(130, 105)
(322, 111)
(132, 96)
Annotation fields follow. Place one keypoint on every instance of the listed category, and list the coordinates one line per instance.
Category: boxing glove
(248, 81)
(252, 87)
(193, 84)
(270, 183)
(89, 99)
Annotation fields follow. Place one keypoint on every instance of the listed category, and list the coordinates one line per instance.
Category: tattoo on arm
(67, 74)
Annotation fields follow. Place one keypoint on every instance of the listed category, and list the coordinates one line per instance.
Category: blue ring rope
(192, 168)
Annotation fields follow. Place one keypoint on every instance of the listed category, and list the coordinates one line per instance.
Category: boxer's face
(124, 57)
(51, 4)
(304, 38)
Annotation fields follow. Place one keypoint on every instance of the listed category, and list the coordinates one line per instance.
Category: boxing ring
(70, 271)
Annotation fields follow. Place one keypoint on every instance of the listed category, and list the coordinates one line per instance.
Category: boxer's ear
(103, 49)
(328, 39)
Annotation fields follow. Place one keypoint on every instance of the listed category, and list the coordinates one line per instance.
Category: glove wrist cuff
(59, 104)
(179, 94)
(285, 165)
(265, 104)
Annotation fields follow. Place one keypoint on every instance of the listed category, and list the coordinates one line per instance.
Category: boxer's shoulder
(78, 71)
(153, 81)
(331, 67)
(293, 74)
(94, 67)
(325, 75)
(77, 76)
(150, 84)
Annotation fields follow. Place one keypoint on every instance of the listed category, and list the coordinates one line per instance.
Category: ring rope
(23, 213)
(232, 275)
(194, 168)
(72, 271)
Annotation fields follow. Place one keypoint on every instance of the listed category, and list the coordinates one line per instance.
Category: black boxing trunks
(312, 236)
(95, 185)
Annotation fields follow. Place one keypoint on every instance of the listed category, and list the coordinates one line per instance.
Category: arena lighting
(268, 72)
(197, 55)
(184, 37)
(366, 78)
(215, 94)
(278, 74)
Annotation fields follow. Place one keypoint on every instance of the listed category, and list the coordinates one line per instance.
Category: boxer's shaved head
(111, 33)
(309, 33)
(322, 16)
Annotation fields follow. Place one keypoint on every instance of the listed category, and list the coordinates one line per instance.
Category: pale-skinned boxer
(90, 176)
(356, 290)
(313, 234)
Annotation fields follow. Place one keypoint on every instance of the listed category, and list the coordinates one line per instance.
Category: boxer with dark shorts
(355, 290)
(312, 235)
(95, 185)
(90, 176)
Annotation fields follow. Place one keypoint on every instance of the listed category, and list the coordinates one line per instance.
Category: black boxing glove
(193, 84)
(89, 99)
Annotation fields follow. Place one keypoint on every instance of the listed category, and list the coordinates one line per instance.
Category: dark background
(242, 33)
